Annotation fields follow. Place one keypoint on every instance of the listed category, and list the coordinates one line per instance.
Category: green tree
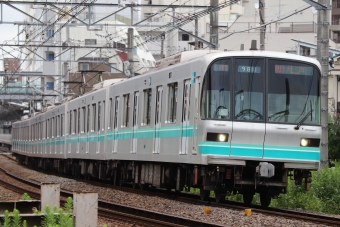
(334, 137)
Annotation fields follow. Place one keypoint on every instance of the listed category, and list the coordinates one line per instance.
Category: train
(224, 121)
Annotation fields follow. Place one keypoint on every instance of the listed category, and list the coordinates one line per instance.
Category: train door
(185, 130)
(196, 109)
(248, 127)
(70, 122)
(158, 113)
(115, 125)
(93, 134)
(101, 126)
(135, 122)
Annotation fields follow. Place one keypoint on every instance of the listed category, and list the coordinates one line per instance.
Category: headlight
(304, 142)
(222, 137)
(217, 137)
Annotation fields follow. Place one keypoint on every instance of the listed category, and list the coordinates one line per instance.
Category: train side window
(88, 118)
(79, 121)
(158, 105)
(84, 119)
(99, 115)
(70, 123)
(62, 125)
(147, 107)
(116, 112)
(110, 114)
(74, 128)
(126, 103)
(172, 102)
(94, 113)
(50, 128)
(58, 126)
(103, 116)
(135, 109)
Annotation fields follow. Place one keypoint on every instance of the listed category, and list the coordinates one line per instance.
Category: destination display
(218, 67)
(248, 69)
(295, 70)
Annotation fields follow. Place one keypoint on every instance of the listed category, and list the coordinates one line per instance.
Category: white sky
(8, 31)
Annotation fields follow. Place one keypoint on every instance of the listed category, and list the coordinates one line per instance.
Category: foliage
(16, 219)
(334, 137)
(323, 197)
(13, 219)
(49, 218)
(65, 219)
(69, 205)
(7, 219)
(25, 196)
(326, 187)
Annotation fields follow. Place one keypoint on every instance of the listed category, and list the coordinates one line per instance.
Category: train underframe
(222, 179)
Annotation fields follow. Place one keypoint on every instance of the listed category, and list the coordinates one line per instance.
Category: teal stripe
(300, 153)
(247, 150)
(214, 148)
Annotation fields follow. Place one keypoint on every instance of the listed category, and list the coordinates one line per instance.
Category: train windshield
(293, 92)
(216, 91)
(249, 89)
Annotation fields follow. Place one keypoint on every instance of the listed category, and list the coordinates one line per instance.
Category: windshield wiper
(303, 119)
(285, 112)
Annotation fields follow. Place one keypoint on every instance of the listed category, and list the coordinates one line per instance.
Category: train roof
(189, 55)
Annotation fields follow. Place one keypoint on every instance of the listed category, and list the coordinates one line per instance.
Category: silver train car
(239, 122)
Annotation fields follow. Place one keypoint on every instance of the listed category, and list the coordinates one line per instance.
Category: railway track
(108, 209)
(115, 211)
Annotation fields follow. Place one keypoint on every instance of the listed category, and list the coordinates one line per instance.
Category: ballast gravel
(221, 216)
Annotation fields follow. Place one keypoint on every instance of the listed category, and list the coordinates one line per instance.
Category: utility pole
(214, 24)
(262, 29)
(162, 45)
(130, 51)
(196, 33)
(323, 56)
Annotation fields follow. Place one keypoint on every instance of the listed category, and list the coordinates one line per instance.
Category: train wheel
(134, 184)
(247, 198)
(219, 197)
(204, 194)
(265, 199)
(142, 187)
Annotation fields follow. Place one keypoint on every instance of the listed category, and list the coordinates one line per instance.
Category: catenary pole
(214, 24)
(263, 28)
(323, 56)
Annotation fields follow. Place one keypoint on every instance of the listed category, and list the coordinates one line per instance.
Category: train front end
(260, 123)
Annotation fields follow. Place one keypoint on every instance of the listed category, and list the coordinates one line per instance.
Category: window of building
(113, 68)
(49, 56)
(185, 37)
(90, 41)
(147, 107)
(126, 103)
(172, 102)
(49, 33)
(291, 51)
(84, 66)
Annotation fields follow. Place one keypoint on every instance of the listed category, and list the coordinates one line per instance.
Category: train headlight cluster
(217, 137)
(309, 142)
